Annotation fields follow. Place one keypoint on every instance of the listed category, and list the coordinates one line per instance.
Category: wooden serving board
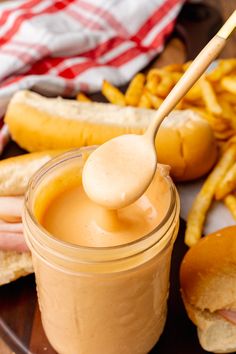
(20, 323)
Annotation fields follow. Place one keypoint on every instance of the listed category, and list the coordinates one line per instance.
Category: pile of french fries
(214, 98)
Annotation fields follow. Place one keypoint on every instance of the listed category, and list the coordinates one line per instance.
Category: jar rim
(62, 158)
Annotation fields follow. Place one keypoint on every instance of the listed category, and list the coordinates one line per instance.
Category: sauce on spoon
(117, 173)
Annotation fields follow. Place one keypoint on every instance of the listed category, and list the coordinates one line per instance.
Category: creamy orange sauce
(72, 217)
(118, 172)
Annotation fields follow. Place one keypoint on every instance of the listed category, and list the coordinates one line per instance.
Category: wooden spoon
(119, 171)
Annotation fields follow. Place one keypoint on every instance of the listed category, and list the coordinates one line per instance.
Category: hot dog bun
(185, 141)
(39, 123)
(208, 289)
(15, 173)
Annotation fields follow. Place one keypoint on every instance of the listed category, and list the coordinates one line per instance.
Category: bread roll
(185, 141)
(208, 287)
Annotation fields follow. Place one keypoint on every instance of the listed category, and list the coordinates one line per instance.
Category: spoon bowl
(132, 162)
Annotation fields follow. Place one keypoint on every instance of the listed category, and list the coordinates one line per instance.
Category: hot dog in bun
(185, 140)
(15, 172)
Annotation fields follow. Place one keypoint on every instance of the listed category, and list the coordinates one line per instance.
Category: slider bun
(215, 334)
(208, 284)
(14, 265)
(186, 142)
(15, 172)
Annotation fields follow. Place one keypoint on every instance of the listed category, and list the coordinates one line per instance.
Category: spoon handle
(228, 27)
(195, 70)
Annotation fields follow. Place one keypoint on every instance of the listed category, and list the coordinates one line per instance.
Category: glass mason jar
(108, 300)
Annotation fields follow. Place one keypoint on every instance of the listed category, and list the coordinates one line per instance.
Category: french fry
(228, 112)
(201, 204)
(218, 88)
(165, 85)
(228, 97)
(209, 96)
(82, 97)
(199, 103)
(194, 93)
(176, 76)
(224, 145)
(153, 72)
(231, 141)
(155, 100)
(229, 84)
(135, 90)
(113, 94)
(221, 125)
(174, 68)
(227, 184)
(230, 202)
(145, 102)
(223, 68)
(152, 83)
(225, 135)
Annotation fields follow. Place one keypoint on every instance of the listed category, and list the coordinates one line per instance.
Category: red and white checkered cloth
(60, 47)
